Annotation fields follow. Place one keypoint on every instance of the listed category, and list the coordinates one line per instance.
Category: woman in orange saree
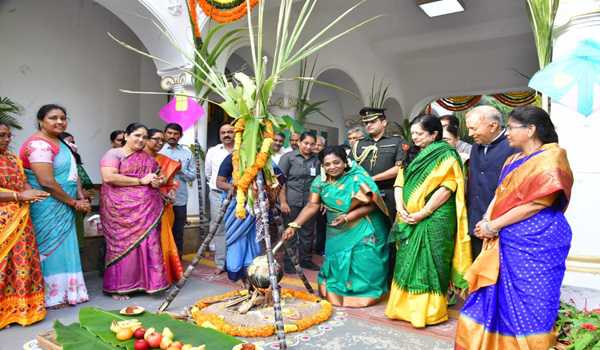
(168, 169)
(21, 279)
(515, 281)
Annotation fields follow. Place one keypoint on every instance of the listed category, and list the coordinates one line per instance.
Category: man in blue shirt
(187, 174)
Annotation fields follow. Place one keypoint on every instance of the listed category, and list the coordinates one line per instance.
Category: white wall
(57, 51)
(150, 105)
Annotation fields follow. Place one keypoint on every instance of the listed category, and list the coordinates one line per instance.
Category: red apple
(154, 340)
(139, 333)
(141, 344)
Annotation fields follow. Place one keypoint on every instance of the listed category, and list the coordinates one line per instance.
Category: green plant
(578, 329)
(304, 107)
(541, 17)
(379, 93)
(9, 110)
(404, 129)
(248, 98)
(209, 53)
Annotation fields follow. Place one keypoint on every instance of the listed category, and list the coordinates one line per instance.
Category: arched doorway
(340, 107)
(395, 116)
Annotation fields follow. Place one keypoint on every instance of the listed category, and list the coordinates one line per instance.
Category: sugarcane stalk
(176, 288)
(290, 252)
(200, 176)
(264, 216)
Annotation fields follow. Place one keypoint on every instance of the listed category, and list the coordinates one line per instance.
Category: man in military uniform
(380, 155)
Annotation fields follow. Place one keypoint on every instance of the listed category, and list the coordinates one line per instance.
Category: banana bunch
(132, 324)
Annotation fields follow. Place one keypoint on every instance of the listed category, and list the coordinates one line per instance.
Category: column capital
(176, 80)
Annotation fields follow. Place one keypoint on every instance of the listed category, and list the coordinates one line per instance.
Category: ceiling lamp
(434, 8)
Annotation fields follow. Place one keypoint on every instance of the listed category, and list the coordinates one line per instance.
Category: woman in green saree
(355, 269)
(433, 247)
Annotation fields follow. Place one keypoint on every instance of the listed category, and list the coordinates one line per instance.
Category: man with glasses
(380, 155)
(214, 158)
(185, 175)
(488, 154)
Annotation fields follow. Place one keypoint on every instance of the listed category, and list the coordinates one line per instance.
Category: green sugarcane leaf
(248, 88)
(207, 39)
(216, 52)
(267, 89)
(74, 337)
(234, 33)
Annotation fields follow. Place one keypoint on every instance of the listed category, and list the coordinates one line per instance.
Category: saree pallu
(516, 280)
(173, 267)
(21, 280)
(130, 217)
(240, 242)
(355, 266)
(56, 235)
(435, 253)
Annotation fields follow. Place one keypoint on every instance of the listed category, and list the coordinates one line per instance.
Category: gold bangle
(294, 225)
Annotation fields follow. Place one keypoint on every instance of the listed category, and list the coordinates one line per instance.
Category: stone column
(182, 82)
(578, 135)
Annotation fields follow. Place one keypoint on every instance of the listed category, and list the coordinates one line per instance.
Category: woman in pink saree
(130, 211)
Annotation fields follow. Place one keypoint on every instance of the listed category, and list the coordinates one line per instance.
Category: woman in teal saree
(355, 269)
(50, 166)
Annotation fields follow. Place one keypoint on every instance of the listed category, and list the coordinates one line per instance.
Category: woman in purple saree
(130, 211)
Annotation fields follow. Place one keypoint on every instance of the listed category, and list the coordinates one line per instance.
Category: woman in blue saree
(515, 281)
(240, 234)
(50, 166)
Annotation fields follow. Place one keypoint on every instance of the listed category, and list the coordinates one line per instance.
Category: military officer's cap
(370, 113)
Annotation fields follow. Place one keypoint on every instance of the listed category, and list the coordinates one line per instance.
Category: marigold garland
(225, 11)
(194, 17)
(204, 319)
(243, 184)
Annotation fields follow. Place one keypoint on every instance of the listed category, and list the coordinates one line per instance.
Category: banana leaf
(73, 337)
(97, 322)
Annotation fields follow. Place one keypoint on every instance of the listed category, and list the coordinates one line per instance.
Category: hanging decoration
(459, 103)
(182, 110)
(224, 11)
(516, 99)
(511, 99)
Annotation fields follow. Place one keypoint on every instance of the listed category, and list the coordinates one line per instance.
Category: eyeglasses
(157, 139)
(512, 127)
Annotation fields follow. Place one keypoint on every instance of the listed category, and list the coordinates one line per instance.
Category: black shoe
(310, 266)
(289, 269)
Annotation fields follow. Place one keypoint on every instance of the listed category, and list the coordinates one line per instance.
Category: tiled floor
(347, 329)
